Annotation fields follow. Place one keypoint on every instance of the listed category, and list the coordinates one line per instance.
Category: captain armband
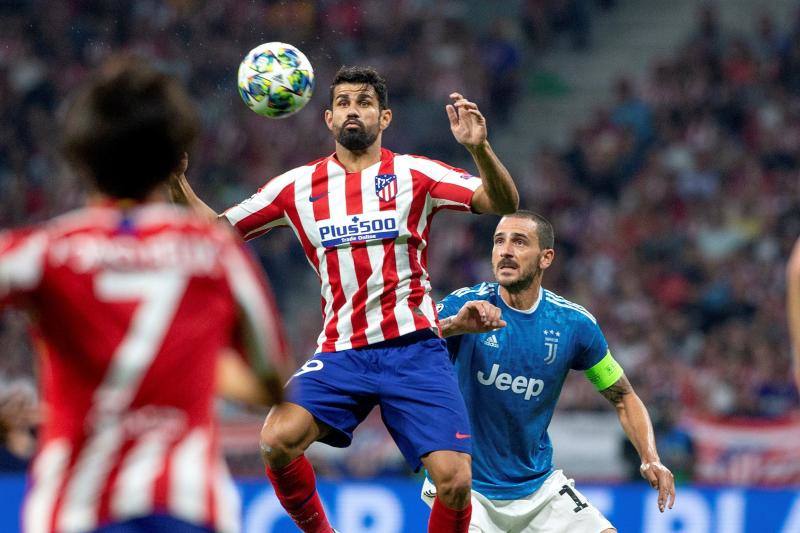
(605, 373)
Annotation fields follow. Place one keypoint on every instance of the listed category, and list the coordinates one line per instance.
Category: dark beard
(521, 284)
(356, 140)
(524, 282)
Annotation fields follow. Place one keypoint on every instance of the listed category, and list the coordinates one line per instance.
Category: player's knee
(280, 445)
(454, 487)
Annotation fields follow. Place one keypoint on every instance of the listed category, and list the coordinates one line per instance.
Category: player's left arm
(497, 193)
(608, 377)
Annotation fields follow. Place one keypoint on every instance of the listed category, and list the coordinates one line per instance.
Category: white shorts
(557, 507)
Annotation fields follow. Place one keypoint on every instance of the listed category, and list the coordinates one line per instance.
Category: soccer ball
(275, 80)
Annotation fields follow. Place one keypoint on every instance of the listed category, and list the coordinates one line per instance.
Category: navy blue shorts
(153, 524)
(411, 378)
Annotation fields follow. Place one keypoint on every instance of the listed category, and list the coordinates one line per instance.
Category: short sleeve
(264, 210)
(591, 345)
(451, 187)
(21, 264)
(450, 305)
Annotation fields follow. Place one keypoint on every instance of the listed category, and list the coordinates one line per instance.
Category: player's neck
(522, 300)
(158, 195)
(358, 161)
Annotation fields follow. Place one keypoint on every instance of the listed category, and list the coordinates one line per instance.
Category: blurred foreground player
(363, 216)
(511, 379)
(133, 299)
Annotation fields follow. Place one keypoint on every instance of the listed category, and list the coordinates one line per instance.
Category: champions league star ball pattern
(275, 80)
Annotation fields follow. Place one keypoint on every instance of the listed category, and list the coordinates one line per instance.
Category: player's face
(517, 259)
(356, 119)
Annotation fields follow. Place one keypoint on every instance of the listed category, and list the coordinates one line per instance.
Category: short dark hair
(365, 76)
(544, 229)
(128, 127)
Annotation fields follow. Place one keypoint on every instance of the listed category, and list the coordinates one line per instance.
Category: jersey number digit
(579, 505)
(158, 295)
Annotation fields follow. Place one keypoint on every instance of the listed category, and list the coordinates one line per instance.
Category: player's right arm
(793, 307)
(464, 311)
(251, 218)
(475, 316)
(182, 193)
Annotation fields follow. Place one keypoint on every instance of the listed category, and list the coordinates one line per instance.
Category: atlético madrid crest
(386, 186)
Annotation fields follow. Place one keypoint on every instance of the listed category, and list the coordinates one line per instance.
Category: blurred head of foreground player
(127, 131)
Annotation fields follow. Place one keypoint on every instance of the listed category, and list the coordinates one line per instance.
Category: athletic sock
(296, 489)
(446, 520)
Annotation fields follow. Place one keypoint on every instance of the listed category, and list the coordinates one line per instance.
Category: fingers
(182, 165)
(671, 494)
(488, 315)
(452, 114)
(461, 104)
(663, 492)
(660, 478)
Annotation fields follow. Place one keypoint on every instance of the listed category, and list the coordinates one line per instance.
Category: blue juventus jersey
(511, 379)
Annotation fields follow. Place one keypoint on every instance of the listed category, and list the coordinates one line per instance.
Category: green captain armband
(605, 373)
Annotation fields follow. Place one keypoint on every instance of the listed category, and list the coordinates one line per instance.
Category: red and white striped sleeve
(21, 264)
(262, 340)
(264, 210)
(451, 187)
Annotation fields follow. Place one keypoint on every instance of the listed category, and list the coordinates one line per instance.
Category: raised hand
(478, 316)
(466, 122)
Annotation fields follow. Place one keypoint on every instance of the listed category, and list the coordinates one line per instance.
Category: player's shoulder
(426, 165)
(13, 239)
(287, 178)
(482, 291)
(568, 309)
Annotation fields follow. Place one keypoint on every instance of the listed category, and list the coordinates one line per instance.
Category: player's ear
(546, 258)
(386, 118)
(329, 119)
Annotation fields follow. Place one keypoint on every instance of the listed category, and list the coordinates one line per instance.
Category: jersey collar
(386, 159)
(523, 312)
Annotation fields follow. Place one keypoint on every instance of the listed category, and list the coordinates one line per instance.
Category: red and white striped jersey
(365, 234)
(131, 310)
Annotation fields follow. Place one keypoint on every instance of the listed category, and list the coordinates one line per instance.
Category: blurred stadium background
(661, 138)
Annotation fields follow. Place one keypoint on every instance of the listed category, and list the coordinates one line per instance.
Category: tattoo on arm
(617, 391)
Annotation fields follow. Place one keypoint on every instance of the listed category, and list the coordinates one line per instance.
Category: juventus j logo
(551, 342)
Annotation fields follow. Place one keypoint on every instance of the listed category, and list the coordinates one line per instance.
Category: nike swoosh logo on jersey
(317, 197)
(461, 436)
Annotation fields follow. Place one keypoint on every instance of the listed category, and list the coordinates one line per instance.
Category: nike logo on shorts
(461, 436)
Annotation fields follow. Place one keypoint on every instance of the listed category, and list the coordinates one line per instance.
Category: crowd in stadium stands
(675, 206)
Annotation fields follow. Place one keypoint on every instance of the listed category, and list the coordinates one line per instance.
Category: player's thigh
(421, 404)
(338, 389)
(565, 509)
